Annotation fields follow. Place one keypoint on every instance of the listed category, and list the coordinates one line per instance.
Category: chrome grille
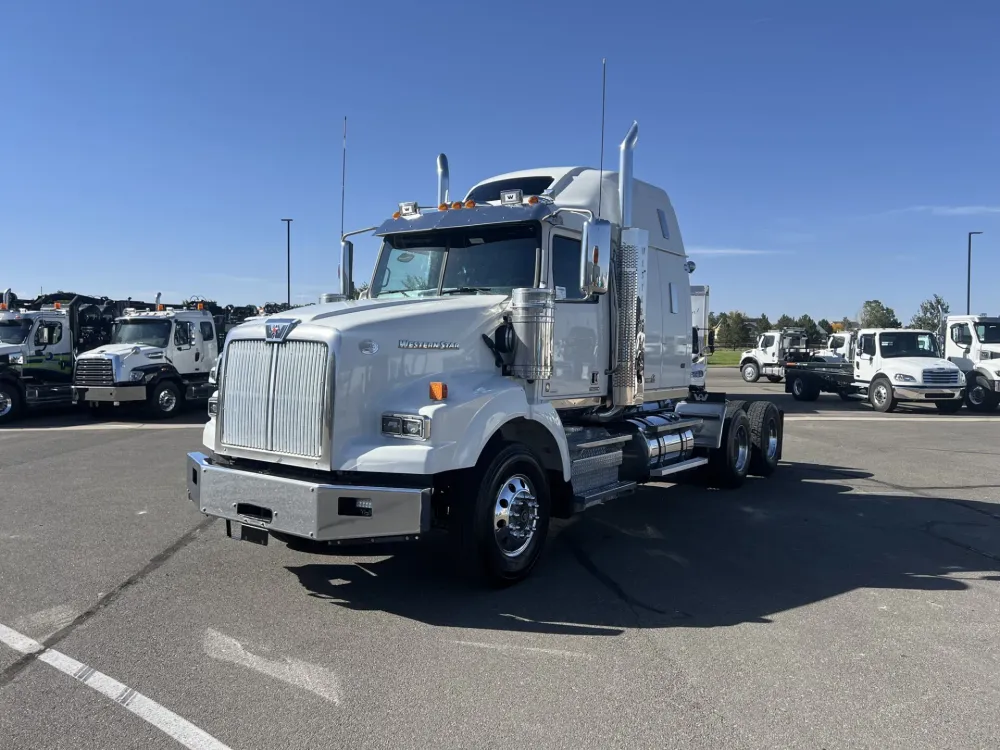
(273, 397)
(94, 372)
(947, 377)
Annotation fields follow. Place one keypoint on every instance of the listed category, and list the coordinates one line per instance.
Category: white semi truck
(160, 357)
(524, 353)
(771, 350)
(973, 343)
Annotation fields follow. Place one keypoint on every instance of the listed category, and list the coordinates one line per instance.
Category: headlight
(17, 359)
(901, 377)
(985, 355)
(409, 426)
(136, 375)
(212, 374)
(213, 405)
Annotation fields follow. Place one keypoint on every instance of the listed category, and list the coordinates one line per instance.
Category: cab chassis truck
(522, 354)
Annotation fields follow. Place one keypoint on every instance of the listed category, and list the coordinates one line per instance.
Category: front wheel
(164, 401)
(979, 395)
(10, 402)
(880, 395)
(503, 517)
(751, 373)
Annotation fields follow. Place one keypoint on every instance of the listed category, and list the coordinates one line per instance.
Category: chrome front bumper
(323, 512)
(115, 393)
(928, 393)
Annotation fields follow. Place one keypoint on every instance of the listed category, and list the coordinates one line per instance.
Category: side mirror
(346, 268)
(595, 257)
(711, 341)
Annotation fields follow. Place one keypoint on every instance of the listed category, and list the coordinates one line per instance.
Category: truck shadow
(81, 417)
(693, 558)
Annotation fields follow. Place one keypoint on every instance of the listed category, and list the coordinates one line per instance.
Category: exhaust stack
(156, 305)
(628, 380)
(444, 180)
(625, 175)
(6, 298)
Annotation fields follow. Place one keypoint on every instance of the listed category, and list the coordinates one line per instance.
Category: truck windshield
(908, 344)
(988, 333)
(14, 331)
(148, 332)
(489, 259)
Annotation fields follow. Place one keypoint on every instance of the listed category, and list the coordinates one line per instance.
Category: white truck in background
(771, 351)
(524, 353)
(161, 358)
(972, 342)
(702, 337)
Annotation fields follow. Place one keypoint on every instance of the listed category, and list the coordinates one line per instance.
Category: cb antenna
(343, 178)
(604, 89)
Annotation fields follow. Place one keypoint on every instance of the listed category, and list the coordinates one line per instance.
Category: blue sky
(817, 155)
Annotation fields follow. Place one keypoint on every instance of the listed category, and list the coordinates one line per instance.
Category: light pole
(968, 278)
(288, 251)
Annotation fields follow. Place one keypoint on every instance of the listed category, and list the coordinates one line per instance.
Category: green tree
(932, 313)
(785, 321)
(848, 324)
(763, 324)
(735, 330)
(876, 315)
(812, 332)
(825, 326)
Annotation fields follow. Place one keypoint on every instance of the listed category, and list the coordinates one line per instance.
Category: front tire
(503, 517)
(165, 401)
(979, 396)
(10, 402)
(750, 372)
(880, 395)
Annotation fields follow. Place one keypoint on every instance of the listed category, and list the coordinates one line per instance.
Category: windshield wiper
(467, 290)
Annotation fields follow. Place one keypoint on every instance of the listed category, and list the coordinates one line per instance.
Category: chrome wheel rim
(772, 440)
(167, 400)
(6, 404)
(741, 449)
(748, 372)
(515, 516)
(977, 395)
(881, 394)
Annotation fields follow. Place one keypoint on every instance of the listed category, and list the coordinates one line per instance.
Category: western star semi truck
(524, 353)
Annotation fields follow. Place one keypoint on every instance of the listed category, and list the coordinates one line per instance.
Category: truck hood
(9, 349)
(121, 350)
(915, 366)
(122, 358)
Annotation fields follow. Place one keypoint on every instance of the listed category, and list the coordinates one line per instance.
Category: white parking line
(870, 418)
(109, 426)
(149, 710)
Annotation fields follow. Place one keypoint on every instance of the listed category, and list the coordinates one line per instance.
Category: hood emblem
(408, 344)
(276, 330)
(368, 347)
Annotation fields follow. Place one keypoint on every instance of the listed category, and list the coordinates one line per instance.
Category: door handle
(197, 356)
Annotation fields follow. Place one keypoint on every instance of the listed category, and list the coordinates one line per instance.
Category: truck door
(768, 347)
(959, 346)
(49, 360)
(865, 361)
(209, 345)
(580, 333)
(186, 354)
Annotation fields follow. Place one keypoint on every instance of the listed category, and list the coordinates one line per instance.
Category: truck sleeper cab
(518, 358)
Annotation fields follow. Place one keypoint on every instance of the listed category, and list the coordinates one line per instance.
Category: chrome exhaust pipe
(443, 179)
(6, 298)
(625, 159)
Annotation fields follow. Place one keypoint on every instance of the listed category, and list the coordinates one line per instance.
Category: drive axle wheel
(765, 432)
(729, 464)
(502, 518)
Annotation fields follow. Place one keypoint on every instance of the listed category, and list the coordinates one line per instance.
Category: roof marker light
(533, 200)
(456, 204)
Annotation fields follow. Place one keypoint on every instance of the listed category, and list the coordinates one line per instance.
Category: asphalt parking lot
(849, 601)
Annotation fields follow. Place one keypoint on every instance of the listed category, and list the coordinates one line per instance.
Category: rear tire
(803, 390)
(501, 518)
(774, 378)
(10, 402)
(750, 372)
(165, 401)
(729, 464)
(765, 434)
